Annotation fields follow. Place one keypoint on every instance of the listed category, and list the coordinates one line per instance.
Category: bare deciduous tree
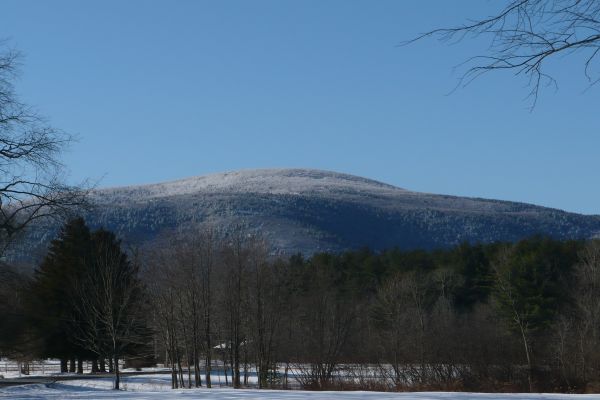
(179, 275)
(110, 303)
(206, 247)
(401, 315)
(12, 284)
(325, 325)
(587, 300)
(517, 312)
(234, 299)
(31, 175)
(525, 35)
(266, 305)
(166, 279)
(577, 332)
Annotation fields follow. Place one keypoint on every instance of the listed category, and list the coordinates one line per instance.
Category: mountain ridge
(230, 180)
(213, 179)
(308, 211)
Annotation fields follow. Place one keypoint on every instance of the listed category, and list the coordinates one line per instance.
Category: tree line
(490, 317)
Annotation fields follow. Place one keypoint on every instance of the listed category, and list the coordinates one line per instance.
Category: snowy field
(158, 386)
(150, 387)
(143, 388)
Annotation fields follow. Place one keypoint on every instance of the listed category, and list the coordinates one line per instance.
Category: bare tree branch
(525, 35)
(31, 175)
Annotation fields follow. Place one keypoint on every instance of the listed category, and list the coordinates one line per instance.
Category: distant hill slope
(303, 210)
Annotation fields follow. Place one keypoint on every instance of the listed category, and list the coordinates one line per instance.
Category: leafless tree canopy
(525, 34)
(31, 175)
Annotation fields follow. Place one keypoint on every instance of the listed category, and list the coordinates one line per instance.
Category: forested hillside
(309, 211)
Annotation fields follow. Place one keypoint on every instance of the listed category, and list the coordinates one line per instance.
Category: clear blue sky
(160, 90)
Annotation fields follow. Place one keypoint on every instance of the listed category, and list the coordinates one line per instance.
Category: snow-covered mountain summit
(259, 181)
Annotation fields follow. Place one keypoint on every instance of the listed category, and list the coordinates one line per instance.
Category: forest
(498, 317)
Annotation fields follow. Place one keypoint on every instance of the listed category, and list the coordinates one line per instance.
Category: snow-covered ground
(157, 386)
(146, 390)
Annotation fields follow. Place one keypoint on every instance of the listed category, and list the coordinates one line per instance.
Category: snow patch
(271, 181)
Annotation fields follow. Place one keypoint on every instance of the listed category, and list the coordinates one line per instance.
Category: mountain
(304, 210)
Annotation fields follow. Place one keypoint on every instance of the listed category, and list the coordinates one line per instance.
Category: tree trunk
(174, 384)
(225, 369)
(236, 366)
(245, 365)
(117, 375)
(197, 375)
(528, 355)
(180, 371)
(208, 368)
(79, 366)
(72, 365)
(207, 309)
(63, 365)
(195, 359)
(102, 364)
(189, 372)
(95, 366)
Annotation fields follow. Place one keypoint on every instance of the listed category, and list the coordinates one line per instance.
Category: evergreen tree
(54, 293)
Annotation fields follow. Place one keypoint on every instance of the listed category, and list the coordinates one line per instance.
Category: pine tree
(54, 292)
